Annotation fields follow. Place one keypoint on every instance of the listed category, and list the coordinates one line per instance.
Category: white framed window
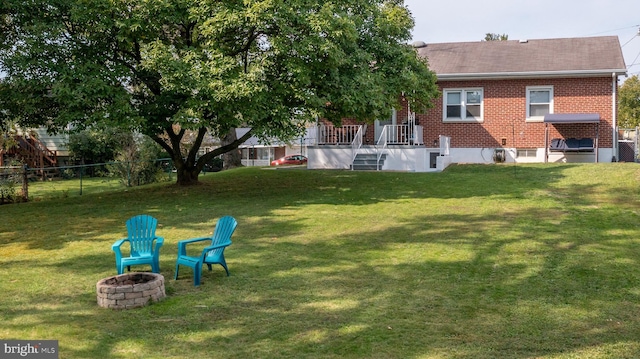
(463, 105)
(526, 153)
(539, 102)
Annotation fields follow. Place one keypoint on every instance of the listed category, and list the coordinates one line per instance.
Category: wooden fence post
(25, 183)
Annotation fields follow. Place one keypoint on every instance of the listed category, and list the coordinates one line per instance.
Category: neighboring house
(258, 153)
(57, 143)
(36, 149)
(516, 101)
(39, 149)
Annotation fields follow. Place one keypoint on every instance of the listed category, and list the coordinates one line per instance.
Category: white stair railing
(355, 145)
(381, 145)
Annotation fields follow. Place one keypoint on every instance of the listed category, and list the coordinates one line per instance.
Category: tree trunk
(188, 168)
(233, 158)
(187, 176)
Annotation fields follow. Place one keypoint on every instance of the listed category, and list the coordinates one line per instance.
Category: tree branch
(224, 149)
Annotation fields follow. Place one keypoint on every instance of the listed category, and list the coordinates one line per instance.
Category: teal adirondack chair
(144, 245)
(212, 254)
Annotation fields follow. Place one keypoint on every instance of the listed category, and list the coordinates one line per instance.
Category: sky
(471, 20)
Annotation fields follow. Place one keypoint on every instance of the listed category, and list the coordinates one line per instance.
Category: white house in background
(58, 143)
(37, 149)
(257, 153)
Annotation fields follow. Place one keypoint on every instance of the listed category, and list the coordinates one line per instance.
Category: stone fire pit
(130, 290)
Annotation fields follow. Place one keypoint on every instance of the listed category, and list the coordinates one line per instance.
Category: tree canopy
(495, 37)
(629, 100)
(164, 67)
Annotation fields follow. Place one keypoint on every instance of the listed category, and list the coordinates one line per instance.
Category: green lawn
(42, 190)
(495, 261)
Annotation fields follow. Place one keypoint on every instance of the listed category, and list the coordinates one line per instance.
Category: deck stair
(368, 162)
(34, 154)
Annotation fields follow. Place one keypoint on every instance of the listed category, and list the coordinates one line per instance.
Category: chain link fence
(13, 185)
(21, 184)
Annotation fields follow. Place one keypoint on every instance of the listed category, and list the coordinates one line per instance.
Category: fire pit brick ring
(130, 290)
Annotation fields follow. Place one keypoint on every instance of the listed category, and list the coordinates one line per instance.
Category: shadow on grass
(515, 282)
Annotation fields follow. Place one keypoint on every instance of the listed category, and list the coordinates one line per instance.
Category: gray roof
(585, 56)
(254, 141)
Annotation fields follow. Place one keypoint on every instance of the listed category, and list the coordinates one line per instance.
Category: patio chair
(211, 254)
(144, 245)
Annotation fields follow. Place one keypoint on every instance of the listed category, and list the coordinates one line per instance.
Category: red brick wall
(505, 113)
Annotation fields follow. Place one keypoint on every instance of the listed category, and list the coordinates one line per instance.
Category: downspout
(614, 102)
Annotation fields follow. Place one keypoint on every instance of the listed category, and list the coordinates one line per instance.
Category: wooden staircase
(33, 153)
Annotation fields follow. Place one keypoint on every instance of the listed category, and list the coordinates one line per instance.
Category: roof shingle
(586, 55)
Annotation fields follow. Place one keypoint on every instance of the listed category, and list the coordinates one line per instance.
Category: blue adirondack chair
(212, 254)
(144, 245)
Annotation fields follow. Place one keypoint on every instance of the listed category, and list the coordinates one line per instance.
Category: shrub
(8, 192)
(136, 162)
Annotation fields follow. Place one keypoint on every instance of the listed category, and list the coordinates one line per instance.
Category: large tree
(164, 67)
(629, 99)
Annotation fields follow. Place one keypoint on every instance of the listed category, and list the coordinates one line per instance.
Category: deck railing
(38, 155)
(401, 135)
(391, 135)
(332, 135)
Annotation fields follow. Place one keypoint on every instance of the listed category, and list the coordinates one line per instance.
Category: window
(463, 105)
(527, 152)
(539, 102)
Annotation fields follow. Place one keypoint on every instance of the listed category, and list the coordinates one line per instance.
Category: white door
(379, 125)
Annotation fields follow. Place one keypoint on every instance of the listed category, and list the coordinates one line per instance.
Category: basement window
(526, 152)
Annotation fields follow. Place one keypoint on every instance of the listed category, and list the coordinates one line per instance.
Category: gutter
(614, 118)
(614, 111)
(528, 75)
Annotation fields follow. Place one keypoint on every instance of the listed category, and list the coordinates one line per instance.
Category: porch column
(546, 142)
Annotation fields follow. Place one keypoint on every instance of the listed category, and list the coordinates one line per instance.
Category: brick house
(516, 101)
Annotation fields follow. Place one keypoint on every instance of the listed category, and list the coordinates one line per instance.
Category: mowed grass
(480, 261)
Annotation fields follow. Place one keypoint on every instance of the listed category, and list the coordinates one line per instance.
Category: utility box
(499, 155)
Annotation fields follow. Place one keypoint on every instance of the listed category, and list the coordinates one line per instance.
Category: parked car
(290, 160)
